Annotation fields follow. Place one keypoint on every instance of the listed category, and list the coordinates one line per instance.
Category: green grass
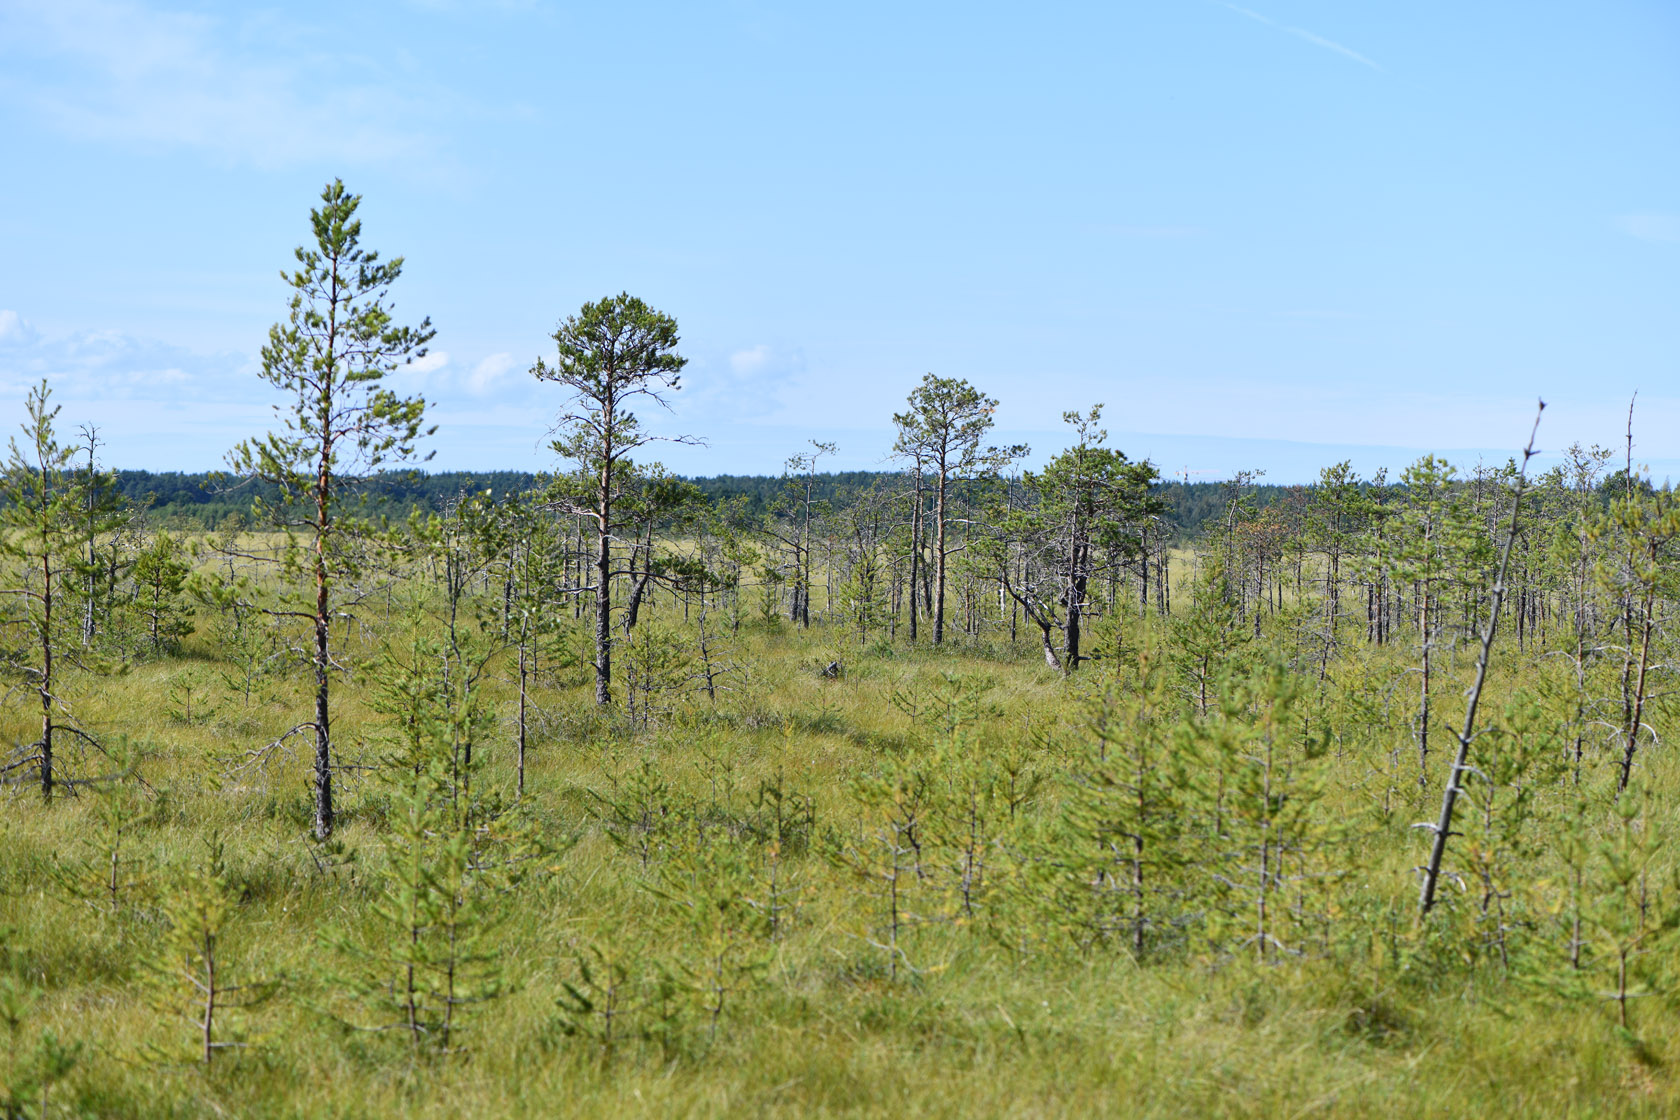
(998, 1017)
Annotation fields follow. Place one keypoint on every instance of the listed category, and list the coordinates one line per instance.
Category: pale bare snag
(1449, 797)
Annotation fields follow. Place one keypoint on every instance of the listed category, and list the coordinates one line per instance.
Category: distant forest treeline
(204, 500)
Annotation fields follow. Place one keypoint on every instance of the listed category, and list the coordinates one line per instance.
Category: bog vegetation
(963, 790)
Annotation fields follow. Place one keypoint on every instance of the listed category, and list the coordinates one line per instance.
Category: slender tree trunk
(1078, 585)
(1638, 713)
(46, 676)
(1072, 636)
(802, 559)
(915, 551)
(1423, 708)
(603, 620)
(92, 555)
(323, 665)
(524, 676)
(603, 583)
(939, 563)
(1050, 658)
(209, 1024)
(894, 595)
(633, 605)
(1143, 574)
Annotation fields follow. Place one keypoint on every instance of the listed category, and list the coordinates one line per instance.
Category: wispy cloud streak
(1303, 33)
(115, 70)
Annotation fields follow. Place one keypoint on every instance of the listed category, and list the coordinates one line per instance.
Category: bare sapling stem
(1449, 797)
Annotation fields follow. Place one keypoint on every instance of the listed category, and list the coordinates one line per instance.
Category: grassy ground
(980, 1020)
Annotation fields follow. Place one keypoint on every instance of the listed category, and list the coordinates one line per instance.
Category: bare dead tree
(1449, 797)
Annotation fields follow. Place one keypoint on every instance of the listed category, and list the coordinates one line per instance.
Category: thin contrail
(1302, 33)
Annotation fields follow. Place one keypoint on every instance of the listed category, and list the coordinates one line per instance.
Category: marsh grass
(995, 1016)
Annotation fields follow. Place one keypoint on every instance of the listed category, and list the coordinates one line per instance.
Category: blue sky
(1266, 237)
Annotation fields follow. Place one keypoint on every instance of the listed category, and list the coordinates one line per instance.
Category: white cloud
(102, 364)
(162, 406)
(487, 372)
(750, 361)
(746, 386)
(15, 329)
(115, 71)
(431, 363)
(1650, 227)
